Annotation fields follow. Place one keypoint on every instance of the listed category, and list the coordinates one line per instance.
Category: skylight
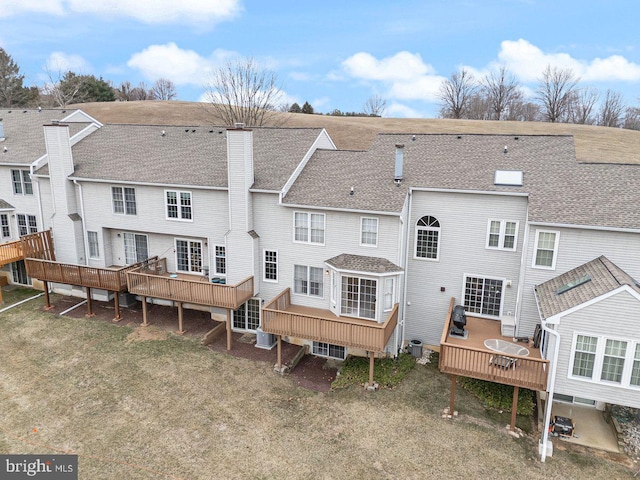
(508, 178)
(573, 284)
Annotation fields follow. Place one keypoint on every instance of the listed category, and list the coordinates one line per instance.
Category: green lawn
(170, 408)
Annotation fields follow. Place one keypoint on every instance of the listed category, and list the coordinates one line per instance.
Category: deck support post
(279, 350)
(228, 329)
(180, 329)
(514, 408)
(144, 312)
(47, 298)
(89, 304)
(452, 397)
(372, 358)
(116, 304)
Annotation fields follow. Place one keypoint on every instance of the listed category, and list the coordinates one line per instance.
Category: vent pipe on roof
(397, 178)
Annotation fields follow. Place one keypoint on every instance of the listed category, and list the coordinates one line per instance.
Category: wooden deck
(280, 317)
(153, 280)
(35, 245)
(470, 358)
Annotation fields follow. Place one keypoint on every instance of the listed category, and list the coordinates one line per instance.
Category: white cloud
(528, 62)
(147, 11)
(402, 111)
(61, 62)
(405, 74)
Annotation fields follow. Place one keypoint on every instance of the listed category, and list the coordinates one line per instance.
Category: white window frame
(26, 224)
(23, 185)
(119, 202)
(373, 232)
(324, 349)
(427, 228)
(134, 237)
(358, 310)
(388, 293)
(94, 244)
(219, 259)
(466, 276)
(5, 227)
(308, 227)
(502, 235)
(243, 315)
(271, 263)
(184, 211)
(555, 250)
(627, 369)
(308, 281)
(195, 262)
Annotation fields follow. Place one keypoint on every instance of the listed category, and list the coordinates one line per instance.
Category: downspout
(552, 381)
(406, 263)
(85, 240)
(523, 259)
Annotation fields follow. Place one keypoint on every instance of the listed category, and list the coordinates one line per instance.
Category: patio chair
(502, 361)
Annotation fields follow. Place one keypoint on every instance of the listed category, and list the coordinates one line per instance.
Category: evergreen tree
(12, 93)
(295, 108)
(307, 108)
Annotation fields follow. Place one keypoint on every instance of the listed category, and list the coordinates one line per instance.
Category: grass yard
(169, 408)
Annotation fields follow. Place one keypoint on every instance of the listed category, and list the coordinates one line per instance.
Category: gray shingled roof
(4, 205)
(187, 155)
(604, 276)
(24, 135)
(561, 190)
(360, 263)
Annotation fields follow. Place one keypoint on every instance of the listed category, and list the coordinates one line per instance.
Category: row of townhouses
(354, 251)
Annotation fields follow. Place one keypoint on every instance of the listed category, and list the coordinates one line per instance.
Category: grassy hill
(593, 144)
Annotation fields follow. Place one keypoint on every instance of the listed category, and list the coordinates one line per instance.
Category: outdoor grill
(562, 426)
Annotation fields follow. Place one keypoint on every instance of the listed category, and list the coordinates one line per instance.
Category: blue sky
(332, 54)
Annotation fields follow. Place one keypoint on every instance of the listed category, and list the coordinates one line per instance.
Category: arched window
(428, 238)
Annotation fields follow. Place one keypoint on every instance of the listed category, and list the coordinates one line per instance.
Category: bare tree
(582, 104)
(632, 118)
(62, 88)
(375, 106)
(555, 91)
(163, 89)
(500, 88)
(141, 92)
(242, 91)
(478, 107)
(455, 94)
(611, 110)
(523, 111)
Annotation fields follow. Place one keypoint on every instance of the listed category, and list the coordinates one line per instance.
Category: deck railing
(485, 364)
(112, 279)
(10, 252)
(346, 331)
(153, 280)
(35, 245)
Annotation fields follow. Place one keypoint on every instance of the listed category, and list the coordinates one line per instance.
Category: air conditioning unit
(265, 340)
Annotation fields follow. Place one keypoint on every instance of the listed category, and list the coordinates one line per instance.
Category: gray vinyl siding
(607, 318)
(210, 221)
(274, 224)
(463, 222)
(576, 247)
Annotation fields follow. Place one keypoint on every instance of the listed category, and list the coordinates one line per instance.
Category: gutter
(85, 240)
(544, 441)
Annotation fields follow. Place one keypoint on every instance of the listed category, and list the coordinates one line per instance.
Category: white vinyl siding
(428, 238)
(369, 231)
(307, 281)
(188, 256)
(26, 224)
(483, 296)
(21, 182)
(309, 227)
(220, 261)
(270, 266)
(94, 247)
(124, 200)
(502, 235)
(546, 249)
(136, 248)
(178, 205)
(4, 225)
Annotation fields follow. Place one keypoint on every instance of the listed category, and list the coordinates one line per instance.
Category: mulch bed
(311, 372)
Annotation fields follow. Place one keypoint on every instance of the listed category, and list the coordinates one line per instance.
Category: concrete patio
(591, 429)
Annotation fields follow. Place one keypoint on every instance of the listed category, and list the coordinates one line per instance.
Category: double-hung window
(502, 234)
(94, 247)
(5, 230)
(135, 247)
(584, 358)
(220, 261)
(21, 182)
(369, 231)
(428, 238)
(26, 224)
(178, 205)
(483, 295)
(270, 266)
(546, 249)
(189, 255)
(309, 227)
(307, 281)
(124, 200)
